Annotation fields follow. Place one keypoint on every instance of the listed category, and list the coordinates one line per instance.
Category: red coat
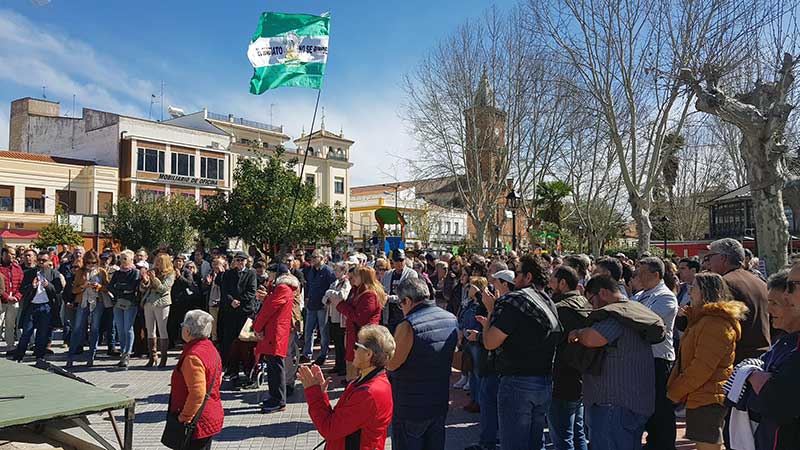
(274, 320)
(360, 309)
(13, 274)
(361, 417)
(211, 421)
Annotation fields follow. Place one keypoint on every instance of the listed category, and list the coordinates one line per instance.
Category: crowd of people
(597, 351)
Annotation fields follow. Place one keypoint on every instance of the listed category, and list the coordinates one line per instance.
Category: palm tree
(550, 196)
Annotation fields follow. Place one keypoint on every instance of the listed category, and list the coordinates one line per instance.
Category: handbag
(247, 334)
(176, 434)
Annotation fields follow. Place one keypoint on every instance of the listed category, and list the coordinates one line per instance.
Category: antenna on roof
(162, 101)
(322, 125)
(73, 105)
(44, 95)
(152, 100)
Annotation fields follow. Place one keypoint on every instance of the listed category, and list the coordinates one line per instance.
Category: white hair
(289, 280)
(198, 323)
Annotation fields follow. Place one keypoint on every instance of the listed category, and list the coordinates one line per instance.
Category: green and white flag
(288, 50)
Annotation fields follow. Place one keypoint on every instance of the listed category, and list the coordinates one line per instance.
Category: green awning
(389, 216)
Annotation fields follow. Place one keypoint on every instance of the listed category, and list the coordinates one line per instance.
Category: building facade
(732, 214)
(327, 166)
(426, 223)
(33, 187)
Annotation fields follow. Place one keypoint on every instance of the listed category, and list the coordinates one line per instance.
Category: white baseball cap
(505, 275)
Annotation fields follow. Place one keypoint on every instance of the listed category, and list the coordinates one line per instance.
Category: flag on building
(288, 50)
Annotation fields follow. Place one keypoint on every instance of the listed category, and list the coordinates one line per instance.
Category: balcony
(244, 122)
(337, 156)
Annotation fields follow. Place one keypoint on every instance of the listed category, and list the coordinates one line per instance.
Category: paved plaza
(245, 426)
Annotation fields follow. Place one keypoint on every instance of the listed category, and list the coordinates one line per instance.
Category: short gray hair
(380, 341)
(779, 280)
(198, 323)
(729, 247)
(415, 289)
(654, 265)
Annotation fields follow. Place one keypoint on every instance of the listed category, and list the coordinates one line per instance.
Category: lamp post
(396, 188)
(580, 241)
(664, 221)
(512, 203)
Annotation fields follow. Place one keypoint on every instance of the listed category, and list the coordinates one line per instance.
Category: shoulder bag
(176, 434)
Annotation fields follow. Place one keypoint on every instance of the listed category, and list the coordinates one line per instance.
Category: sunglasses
(790, 286)
(359, 345)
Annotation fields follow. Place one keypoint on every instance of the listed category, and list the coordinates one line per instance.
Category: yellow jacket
(707, 352)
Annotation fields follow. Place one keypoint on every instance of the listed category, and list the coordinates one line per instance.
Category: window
(104, 202)
(183, 164)
(447, 228)
(149, 194)
(455, 228)
(68, 200)
(6, 198)
(338, 185)
(310, 179)
(34, 200)
(211, 168)
(149, 160)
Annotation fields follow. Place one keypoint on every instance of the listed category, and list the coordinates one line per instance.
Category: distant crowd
(597, 351)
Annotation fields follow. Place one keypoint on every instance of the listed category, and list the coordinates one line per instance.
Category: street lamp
(513, 203)
(664, 221)
(580, 240)
(396, 188)
(62, 203)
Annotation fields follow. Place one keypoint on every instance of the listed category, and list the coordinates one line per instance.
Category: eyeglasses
(359, 345)
(790, 286)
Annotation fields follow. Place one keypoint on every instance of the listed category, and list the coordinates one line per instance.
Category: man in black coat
(41, 298)
(238, 295)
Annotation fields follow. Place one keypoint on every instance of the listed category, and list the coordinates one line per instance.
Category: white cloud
(33, 55)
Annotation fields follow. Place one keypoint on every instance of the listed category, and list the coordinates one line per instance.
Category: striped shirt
(627, 377)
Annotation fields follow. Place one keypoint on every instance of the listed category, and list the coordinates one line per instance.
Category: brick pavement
(245, 427)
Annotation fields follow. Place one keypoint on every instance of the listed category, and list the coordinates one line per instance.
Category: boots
(163, 345)
(123, 360)
(151, 344)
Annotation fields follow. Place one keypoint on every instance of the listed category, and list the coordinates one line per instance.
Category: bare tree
(626, 57)
(472, 107)
(761, 112)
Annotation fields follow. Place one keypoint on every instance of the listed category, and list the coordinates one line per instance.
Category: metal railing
(245, 122)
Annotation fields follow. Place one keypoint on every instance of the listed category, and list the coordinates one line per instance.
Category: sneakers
(461, 382)
(271, 406)
(305, 359)
(466, 386)
(123, 361)
(41, 363)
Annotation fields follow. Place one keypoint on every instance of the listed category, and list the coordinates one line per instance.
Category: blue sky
(113, 55)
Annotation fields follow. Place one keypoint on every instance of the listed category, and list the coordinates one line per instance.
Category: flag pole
(303, 166)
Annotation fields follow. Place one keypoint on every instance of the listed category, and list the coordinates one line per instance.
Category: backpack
(636, 316)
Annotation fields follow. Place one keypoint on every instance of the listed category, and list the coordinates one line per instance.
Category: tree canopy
(146, 222)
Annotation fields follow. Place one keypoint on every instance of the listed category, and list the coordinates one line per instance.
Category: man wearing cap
(726, 257)
(237, 299)
(318, 278)
(521, 333)
(393, 314)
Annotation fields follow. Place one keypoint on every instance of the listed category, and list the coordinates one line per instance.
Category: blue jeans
(615, 427)
(488, 402)
(522, 404)
(316, 320)
(123, 321)
(473, 349)
(565, 421)
(82, 316)
(418, 434)
(36, 317)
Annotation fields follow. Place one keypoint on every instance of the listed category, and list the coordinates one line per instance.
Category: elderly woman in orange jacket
(706, 358)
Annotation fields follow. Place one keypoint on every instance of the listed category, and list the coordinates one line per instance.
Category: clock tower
(485, 151)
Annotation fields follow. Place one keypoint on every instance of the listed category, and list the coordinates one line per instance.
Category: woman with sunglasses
(90, 289)
(363, 307)
(362, 415)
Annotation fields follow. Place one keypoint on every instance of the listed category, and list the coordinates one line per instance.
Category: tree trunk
(643, 226)
(480, 232)
(766, 190)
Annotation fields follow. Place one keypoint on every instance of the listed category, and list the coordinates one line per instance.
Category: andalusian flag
(288, 50)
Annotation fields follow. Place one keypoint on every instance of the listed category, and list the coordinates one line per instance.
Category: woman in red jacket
(363, 413)
(363, 307)
(274, 325)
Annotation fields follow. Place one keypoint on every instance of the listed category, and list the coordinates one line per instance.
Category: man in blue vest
(521, 333)
(420, 369)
